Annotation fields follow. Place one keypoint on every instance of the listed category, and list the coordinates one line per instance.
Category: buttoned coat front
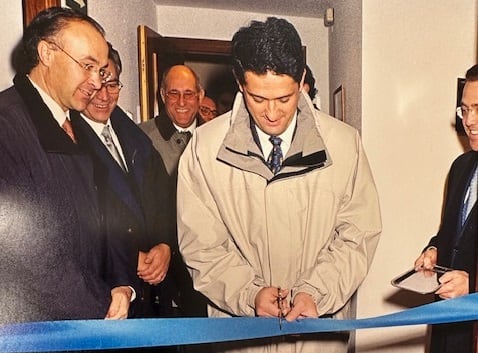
(311, 228)
(53, 250)
(137, 207)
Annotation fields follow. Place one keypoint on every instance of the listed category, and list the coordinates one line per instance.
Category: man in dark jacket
(454, 246)
(136, 200)
(53, 253)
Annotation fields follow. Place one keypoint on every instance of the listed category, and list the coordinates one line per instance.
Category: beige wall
(413, 52)
(345, 57)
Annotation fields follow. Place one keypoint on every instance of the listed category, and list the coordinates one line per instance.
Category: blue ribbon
(103, 334)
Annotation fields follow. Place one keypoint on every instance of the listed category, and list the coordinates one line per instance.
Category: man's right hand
(427, 259)
(266, 302)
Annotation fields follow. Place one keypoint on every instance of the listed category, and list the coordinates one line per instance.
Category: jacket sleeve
(342, 265)
(159, 203)
(218, 269)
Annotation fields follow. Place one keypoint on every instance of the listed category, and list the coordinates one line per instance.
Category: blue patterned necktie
(471, 196)
(275, 158)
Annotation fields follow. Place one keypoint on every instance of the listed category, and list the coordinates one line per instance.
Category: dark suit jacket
(170, 144)
(137, 207)
(51, 266)
(456, 246)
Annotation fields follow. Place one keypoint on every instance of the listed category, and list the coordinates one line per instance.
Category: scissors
(280, 306)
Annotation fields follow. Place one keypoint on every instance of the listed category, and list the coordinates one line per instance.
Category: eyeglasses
(90, 69)
(175, 95)
(207, 111)
(113, 87)
(465, 111)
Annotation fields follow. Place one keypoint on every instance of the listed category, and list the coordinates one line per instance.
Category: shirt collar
(96, 126)
(286, 137)
(58, 113)
(190, 128)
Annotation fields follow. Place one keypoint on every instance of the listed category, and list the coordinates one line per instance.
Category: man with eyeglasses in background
(52, 244)
(181, 93)
(136, 202)
(207, 110)
(454, 246)
(170, 132)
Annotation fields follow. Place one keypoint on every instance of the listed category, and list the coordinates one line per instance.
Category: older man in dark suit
(53, 252)
(136, 200)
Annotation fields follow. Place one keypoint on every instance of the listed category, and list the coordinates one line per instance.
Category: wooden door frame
(32, 7)
(150, 43)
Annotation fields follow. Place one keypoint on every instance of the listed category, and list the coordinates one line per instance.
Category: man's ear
(45, 52)
(237, 81)
(301, 84)
(241, 88)
(163, 95)
(201, 95)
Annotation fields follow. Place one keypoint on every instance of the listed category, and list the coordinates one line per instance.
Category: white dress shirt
(98, 128)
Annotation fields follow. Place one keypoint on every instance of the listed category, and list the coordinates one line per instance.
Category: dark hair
(273, 45)
(310, 80)
(114, 56)
(472, 74)
(46, 25)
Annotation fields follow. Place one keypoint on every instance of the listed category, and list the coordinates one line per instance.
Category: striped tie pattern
(106, 133)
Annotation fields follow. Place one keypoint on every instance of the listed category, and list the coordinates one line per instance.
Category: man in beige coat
(278, 214)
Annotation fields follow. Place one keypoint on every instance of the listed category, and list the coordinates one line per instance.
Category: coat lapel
(51, 135)
(107, 169)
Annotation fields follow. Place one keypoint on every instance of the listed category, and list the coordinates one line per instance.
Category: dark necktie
(106, 133)
(275, 158)
(68, 129)
(186, 134)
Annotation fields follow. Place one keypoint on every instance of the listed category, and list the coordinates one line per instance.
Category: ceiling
(300, 8)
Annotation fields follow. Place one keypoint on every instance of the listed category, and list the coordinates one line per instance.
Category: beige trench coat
(311, 228)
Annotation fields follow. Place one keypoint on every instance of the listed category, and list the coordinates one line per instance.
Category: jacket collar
(50, 134)
(107, 169)
(307, 151)
(165, 125)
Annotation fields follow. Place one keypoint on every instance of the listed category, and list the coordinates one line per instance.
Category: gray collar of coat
(307, 151)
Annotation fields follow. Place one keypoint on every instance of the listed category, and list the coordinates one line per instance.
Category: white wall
(120, 18)
(413, 53)
(219, 24)
(11, 31)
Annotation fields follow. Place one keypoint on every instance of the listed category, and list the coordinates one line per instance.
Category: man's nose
(102, 93)
(181, 100)
(471, 118)
(271, 109)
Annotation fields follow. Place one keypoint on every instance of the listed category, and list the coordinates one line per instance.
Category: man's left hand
(303, 306)
(154, 266)
(453, 284)
(119, 306)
